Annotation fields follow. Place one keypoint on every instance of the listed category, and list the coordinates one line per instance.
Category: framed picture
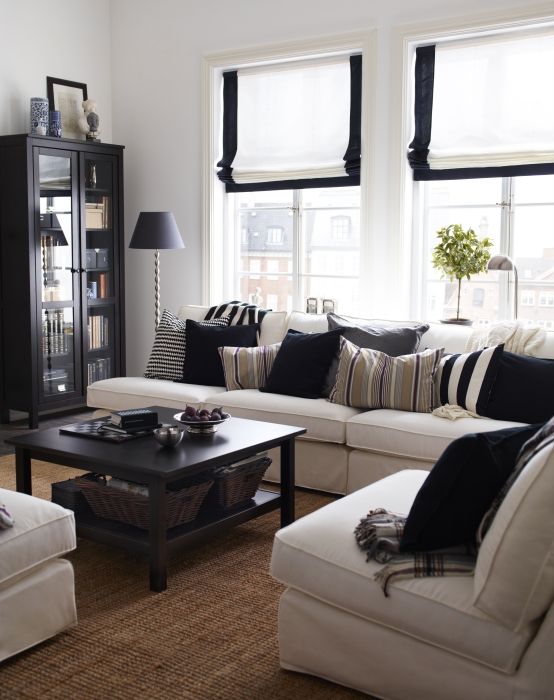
(67, 97)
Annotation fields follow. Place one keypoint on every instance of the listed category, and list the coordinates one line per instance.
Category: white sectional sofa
(485, 636)
(37, 596)
(344, 448)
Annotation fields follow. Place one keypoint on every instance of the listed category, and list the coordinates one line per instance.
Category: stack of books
(133, 420)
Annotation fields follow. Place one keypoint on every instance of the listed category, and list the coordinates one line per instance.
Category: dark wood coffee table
(143, 460)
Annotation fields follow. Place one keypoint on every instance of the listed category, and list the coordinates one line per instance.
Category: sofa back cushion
(371, 379)
(514, 574)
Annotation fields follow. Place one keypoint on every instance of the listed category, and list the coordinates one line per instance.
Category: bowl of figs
(202, 421)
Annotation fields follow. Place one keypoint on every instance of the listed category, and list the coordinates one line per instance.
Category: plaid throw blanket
(240, 312)
(379, 534)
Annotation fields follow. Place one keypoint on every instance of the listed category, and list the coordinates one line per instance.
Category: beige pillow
(371, 379)
(247, 368)
(514, 574)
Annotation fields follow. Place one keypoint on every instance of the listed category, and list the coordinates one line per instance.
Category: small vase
(55, 128)
(39, 116)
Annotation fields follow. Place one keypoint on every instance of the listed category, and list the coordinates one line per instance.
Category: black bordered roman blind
(484, 107)
(292, 125)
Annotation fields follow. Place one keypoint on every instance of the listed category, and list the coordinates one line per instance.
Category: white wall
(69, 39)
(157, 50)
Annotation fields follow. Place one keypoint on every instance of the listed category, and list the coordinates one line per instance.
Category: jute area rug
(212, 634)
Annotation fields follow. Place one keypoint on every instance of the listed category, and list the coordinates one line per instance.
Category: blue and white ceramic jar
(39, 116)
(55, 128)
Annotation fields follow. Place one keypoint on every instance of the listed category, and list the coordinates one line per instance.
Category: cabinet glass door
(57, 275)
(99, 264)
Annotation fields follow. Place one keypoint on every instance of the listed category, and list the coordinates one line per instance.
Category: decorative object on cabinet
(55, 126)
(61, 277)
(39, 116)
(503, 262)
(67, 97)
(89, 121)
(156, 230)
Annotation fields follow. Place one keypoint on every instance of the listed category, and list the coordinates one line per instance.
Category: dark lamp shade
(500, 262)
(156, 230)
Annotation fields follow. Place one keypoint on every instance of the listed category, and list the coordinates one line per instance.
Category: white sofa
(483, 636)
(344, 448)
(37, 596)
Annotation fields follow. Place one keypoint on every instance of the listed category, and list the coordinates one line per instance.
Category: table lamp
(156, 230)
(503, 262)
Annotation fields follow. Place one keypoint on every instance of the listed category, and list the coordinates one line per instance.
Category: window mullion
(297, 284)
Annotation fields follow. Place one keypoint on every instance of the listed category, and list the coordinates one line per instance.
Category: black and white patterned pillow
(467, 379)
(169, 348)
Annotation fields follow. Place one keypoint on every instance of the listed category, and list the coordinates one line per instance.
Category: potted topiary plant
(460, 254)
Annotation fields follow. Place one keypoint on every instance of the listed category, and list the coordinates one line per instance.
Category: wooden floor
(20, 427)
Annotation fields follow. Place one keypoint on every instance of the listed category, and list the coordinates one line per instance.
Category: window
(275, 235)
(340, 228)
(290, 163)
(307, 264)
(546, 299)
(490, 168)
(518, 215)
(478, 296)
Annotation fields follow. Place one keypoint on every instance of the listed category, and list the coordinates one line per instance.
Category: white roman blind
(484, 103)
(290, 124)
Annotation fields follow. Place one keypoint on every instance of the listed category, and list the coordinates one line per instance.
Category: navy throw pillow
(302, 364)
(202, 361)
(523, 390)
(461, 487)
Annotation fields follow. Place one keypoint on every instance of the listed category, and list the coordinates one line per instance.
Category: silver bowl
(168, 435)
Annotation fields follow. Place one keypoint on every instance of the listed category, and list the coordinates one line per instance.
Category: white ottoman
(37, 595)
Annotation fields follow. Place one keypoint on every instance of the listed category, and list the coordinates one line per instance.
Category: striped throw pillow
(247, 368)
(467, 379)
(371, 379)
(168, 351)
(239, 313)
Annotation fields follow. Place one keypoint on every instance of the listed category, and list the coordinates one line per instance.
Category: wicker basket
(134, 509)
(237, 483)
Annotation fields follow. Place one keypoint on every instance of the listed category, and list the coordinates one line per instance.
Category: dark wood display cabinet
(61, 265)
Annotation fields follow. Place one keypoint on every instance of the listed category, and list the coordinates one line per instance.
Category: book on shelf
(98, 331)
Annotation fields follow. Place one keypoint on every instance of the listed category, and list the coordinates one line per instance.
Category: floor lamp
(156, 230)
(503, 262)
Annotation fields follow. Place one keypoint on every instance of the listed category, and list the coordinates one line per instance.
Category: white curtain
(493, 102)
(293, 121)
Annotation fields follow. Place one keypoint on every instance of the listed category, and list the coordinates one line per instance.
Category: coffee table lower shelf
(206, 525)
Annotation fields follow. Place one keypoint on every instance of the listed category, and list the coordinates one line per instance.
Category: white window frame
(215, 223)
(406, 196)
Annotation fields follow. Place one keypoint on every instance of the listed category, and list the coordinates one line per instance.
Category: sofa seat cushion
(414, 435)
(41, 531)
(318, 555)
(323, 421)
(137, 392)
